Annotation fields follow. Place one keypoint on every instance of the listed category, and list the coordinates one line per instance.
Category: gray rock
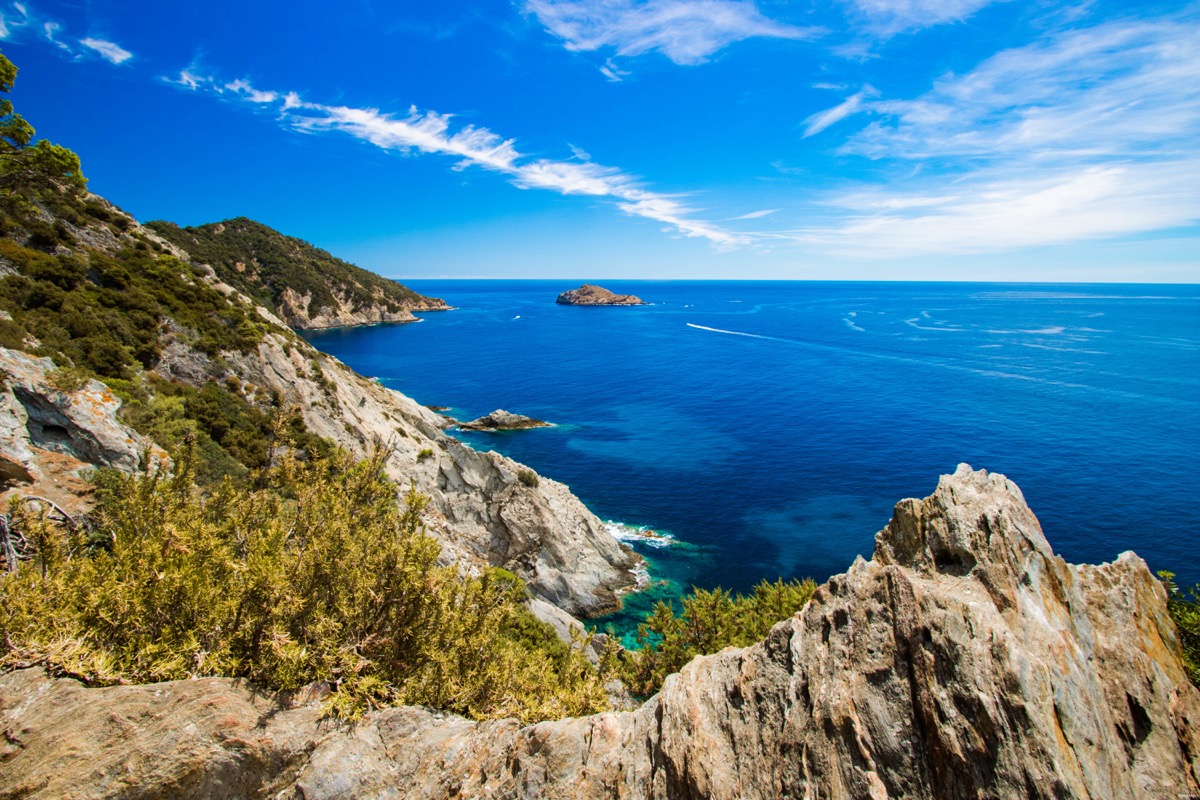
(501, 420)
(919, 674)
(35, 414)
(592, 295)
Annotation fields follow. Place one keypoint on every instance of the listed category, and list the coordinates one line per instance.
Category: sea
(736, 431)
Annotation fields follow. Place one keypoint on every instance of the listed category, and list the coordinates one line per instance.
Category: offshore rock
(501, 420)
(965, 660)
(591, 295)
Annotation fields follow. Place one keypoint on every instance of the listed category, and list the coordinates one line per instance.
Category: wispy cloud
(1117, 89)
(997, 212)
(823, 119)
(685, 31)
(109, 51)
(889, 17)
(1091, 133)
(754, 215)
(430, 132)
(19, 20)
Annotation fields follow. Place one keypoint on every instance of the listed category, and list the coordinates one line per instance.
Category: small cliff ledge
(590, 295)
(501, 420)
(965, 660)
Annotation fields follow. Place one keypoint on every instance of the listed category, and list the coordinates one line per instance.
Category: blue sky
(839, 139)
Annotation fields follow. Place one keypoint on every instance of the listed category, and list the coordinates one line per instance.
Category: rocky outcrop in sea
(501, 420)
(591, 295)
(965, 660)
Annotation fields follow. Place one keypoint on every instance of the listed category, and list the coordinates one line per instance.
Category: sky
(734, 139)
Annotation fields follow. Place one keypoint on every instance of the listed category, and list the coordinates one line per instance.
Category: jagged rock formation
(501, 420)
(965, 660)
(50, 432)
(306, 287)
(591, 295)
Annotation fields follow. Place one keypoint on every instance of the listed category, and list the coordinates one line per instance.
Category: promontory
(591, 295)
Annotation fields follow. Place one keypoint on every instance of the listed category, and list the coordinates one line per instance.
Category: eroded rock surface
(965, 660)
(592, 295)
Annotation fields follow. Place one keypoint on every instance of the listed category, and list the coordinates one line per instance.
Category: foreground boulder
(591, 295)
(965, 660)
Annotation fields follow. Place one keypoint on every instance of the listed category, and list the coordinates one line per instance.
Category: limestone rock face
(296, 311)
(501, 420)
(591, 295)
(965, 660)
(479, 508)
(50, 433)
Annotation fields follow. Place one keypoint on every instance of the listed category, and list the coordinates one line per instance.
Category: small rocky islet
(592, 295)
(501, 420)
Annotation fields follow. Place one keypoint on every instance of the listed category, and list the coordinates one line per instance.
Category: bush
(424, 454)
(710, 621)
(1184, 608)
(319, 575)
(528, 477)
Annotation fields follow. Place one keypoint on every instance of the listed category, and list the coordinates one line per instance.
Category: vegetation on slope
(708, 622)
(316, 575)
(261, 262)
(1184, 608)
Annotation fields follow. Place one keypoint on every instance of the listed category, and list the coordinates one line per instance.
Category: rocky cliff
(306, 287)
(965, 660)
(190, 326)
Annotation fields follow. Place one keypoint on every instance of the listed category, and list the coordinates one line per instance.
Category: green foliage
(528, 477)
(424, 454)
(261, 262)
(1184, 608)
(230, 435)
(317, 574)
(710, 621)
(26, 166)
(106, 313)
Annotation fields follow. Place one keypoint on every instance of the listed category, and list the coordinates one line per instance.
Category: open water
(769, 427)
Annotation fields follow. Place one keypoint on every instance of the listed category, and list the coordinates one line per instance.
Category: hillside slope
(306, 287)
(101, 297)
(964, 661)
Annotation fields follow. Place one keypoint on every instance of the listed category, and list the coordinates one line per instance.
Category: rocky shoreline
(964, 660)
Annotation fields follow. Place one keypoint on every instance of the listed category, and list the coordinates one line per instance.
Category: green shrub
(528, 477)
(1184, 608)
(318, 574)
(710, 621)
(424, 454)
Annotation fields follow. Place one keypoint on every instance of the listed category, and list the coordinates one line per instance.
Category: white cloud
(244, 88)
(1118, 89)
(996, 212)
(109, 51)
(888, 17)
(823, 119)
(433, 133)
(754, 214)
(685, 31)
(9, 22)
(1091, 133)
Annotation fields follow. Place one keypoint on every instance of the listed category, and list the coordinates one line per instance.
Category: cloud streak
(823, 119)
(430, 132)
(685, 31)
(1091, 133)
(890, 17)
(110, 51)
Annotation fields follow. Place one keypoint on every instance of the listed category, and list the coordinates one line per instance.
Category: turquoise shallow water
(772, 426)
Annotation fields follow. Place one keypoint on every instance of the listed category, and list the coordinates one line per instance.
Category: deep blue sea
(769, 427)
